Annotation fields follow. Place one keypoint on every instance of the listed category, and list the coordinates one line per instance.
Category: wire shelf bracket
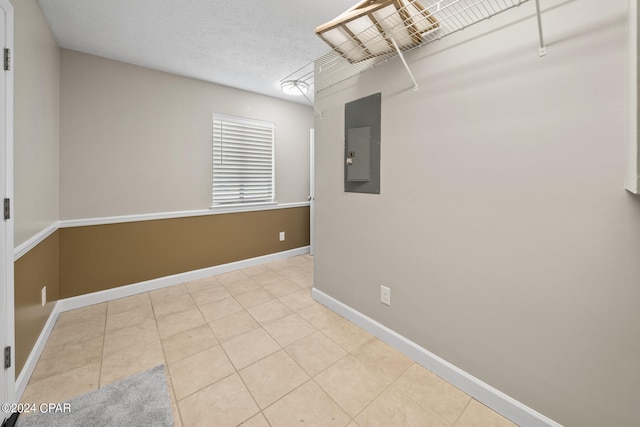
(401, 55)
(374, 31)
(542, 49)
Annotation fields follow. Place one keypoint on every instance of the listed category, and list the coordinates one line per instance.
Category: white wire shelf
(417, 23)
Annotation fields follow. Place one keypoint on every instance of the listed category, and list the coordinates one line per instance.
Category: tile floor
(250, 348)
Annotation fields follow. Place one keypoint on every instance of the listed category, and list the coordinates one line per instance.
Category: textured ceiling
(246, 44)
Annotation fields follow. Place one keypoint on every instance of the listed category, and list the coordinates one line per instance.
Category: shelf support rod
(542, 50)
(318, 113)
(395, 45)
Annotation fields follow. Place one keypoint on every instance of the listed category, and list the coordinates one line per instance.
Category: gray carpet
(140, 400)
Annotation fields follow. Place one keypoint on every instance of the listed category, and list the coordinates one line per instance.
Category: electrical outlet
(282, 236)
(43, 295)
(385, 295)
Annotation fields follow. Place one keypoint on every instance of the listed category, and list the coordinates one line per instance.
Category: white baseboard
(32, 360)
(162, 282)
(129, 290)
(494, 399)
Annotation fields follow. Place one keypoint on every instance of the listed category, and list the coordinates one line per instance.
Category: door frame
(6, 237)
(312, 191)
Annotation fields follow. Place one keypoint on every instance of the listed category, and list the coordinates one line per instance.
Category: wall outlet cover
(385, 295)
(282, 236)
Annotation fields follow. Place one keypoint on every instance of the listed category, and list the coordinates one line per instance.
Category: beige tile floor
(250, 348)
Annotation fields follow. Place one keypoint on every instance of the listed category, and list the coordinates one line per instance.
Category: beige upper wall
(136, 141)
(503, 228)
(37, 98)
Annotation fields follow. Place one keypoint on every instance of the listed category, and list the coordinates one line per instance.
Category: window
(243, 166)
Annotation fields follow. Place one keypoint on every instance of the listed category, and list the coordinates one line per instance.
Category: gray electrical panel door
(362, 119)
(359, 154)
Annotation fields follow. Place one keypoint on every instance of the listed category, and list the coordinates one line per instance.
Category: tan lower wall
(80, 260)
(35, 269)
(95, 258)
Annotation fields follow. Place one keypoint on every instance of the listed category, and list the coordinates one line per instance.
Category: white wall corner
(508, 407)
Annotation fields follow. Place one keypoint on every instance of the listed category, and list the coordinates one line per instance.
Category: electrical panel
(359, 154)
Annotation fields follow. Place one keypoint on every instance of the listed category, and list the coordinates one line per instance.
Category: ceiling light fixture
(294, 87)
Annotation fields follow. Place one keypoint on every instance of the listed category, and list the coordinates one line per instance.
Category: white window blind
(243, 161)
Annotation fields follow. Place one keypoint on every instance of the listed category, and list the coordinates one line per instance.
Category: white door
(7, 376)
(312, 195)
